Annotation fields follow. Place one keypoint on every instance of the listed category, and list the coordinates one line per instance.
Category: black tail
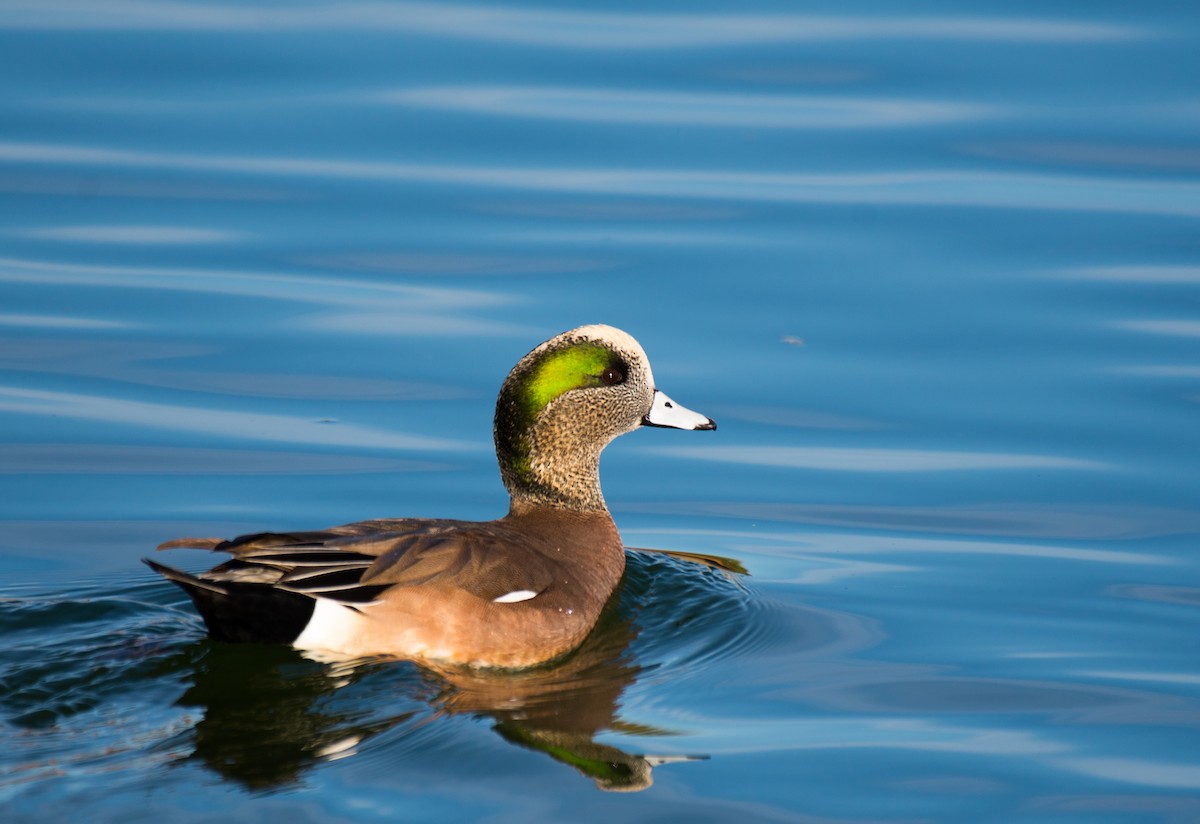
(243, 612)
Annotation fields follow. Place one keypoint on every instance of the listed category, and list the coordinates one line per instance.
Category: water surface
(934, 271)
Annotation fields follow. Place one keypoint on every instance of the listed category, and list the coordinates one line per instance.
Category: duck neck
(552, 475)
(551, 458)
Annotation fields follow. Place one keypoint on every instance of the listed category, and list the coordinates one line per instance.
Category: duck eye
(612, 376)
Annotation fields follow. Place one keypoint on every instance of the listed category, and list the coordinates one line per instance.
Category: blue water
(934, 269)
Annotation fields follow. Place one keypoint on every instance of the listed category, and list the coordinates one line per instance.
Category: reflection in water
(559, 710)
(265, 717)
(270, 714)
(109, 680)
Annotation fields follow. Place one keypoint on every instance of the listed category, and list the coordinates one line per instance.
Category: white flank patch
(331, 627)
(515, 597)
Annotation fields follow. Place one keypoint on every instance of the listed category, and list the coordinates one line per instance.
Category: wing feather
(356, 563)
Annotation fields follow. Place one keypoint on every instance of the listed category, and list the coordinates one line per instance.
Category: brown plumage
(513, 592)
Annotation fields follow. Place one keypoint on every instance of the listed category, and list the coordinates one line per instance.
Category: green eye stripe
(524, 397)
(568, 369)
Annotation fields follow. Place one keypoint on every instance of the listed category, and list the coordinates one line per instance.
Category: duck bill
(665, 412)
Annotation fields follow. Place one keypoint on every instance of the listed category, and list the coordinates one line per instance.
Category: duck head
(564, 402)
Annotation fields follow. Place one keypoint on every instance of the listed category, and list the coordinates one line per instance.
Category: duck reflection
(270, 714)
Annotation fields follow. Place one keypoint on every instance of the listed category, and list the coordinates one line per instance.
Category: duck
(515, 592)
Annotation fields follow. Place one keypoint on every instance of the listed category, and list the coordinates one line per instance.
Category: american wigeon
(513, 592)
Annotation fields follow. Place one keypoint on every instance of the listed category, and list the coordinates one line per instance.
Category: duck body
(513, 592)
(508, 593)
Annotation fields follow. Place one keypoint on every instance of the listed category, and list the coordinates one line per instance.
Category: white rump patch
(332, 627)
(515, 597)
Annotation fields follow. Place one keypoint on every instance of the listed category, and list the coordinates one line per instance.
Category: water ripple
(68, 664)
(128, 362)
(738, 111)
(871, 460)
(263, 716)
(690, 614)
(807, 544)
(1173, 328)
(914, 187)
(553, 28)
(133, 459)
(133, 235)
(225, 422)
(324, 291)
(1078, 521)
(61, 322)
(1144, 772)
(458, 263)
(1146, 273)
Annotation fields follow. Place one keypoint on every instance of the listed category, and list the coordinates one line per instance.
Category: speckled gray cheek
(566, 443)
(564, 451)
(551, 456)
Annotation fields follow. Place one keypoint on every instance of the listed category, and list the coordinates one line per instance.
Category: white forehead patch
(515, 597)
